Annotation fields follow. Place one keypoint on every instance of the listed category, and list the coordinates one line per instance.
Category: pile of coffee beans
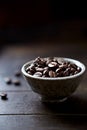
(52, 67)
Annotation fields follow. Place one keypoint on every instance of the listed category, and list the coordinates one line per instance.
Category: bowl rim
(77, 62)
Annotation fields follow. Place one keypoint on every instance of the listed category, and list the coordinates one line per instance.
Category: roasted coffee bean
(66, 73)
(63, 67)
(78, 69)
(16, 82)
(60, 74)
(8, 80)
(30, 67)
(68, 69)
(46, 68)
(55, 60)
(58, 70)
(38, 74)
(52, 74)
(52, 67)
(39, 69)
(43, 76)
(3, 96)
(39, 61)
(76, 72)
(52, 64)
(17, 73)
(45, 72)
(72, 70)
(49, 61)
(30, 73)
(60, 61)
(74, 66)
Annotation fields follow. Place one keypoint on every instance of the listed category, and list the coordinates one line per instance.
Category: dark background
(43, 20)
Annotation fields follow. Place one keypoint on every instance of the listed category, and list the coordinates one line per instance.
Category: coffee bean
(16, 82)
(74, 66)
(30, 67)
(49, 61)
(45, 72)
(63, 67)
(8, 80)
(68, 69)
(38, 74)
(52, 74)
(44, 76)
(66, 73)
(58, 70)
(29, 73)
(52, 64)
(3, 96)
(60, 61)
(78, 69)
(46, 68)
(76, 72)
(39, 69)
(39, 61)
(72, 70)
(60, 74)
(17, 73)
(32, 71)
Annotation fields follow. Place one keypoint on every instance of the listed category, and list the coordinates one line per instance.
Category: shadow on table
(73, 105)
(71, 114)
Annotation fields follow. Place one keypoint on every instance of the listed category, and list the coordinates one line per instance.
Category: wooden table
(23, 109)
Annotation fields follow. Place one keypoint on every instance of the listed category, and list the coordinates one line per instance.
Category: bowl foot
(48, 100)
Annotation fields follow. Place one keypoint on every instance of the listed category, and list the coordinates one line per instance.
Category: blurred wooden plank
(32, 50)
(30, 103)
(9, 66)
(43, 122)
(12, 87)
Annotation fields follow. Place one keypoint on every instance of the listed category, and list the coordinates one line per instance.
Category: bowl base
(48, 100)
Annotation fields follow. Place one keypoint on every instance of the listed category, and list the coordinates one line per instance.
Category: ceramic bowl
(54, 89)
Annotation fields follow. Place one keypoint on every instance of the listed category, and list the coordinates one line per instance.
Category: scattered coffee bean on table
(17, 73)
(52, 68)
(16, 82)
(3, 96)
(8, 80)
